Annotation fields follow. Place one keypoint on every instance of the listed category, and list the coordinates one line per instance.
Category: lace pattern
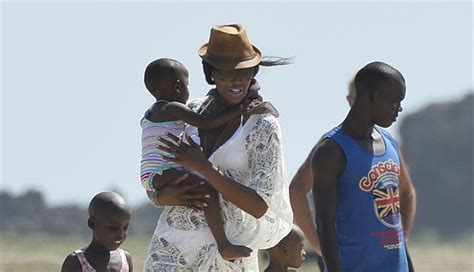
(182, 240)
(186, 219)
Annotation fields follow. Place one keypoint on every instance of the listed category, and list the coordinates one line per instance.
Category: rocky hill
(437, 143)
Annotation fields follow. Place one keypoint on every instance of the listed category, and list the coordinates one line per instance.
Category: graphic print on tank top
(382, 182)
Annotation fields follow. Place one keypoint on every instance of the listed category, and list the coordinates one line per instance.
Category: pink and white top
(87, 267)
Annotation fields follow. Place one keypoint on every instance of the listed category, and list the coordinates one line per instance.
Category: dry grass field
(28, 253)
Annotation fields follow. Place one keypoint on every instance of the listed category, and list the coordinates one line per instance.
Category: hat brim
(231, 64)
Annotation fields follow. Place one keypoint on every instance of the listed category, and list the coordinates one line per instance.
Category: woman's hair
(266, 61)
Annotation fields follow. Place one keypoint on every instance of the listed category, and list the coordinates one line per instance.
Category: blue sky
(73, 94)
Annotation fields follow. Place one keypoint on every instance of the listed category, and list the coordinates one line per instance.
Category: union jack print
(387, 201)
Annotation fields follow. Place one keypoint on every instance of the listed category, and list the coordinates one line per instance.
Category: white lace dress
(253, 157)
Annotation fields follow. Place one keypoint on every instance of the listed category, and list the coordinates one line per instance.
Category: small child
(167, 81)
(109, 216)
(288, 252)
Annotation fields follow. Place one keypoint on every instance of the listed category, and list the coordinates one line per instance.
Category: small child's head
(167, 79)
(289, 251)
(109, 216)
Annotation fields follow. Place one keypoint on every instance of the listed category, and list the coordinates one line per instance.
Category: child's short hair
(290, 250)
(294, 230)
(108, 203)
(159, 71)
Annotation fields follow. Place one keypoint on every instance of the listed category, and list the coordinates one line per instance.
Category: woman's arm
(190, 156)
(242, 196)
(182, 190)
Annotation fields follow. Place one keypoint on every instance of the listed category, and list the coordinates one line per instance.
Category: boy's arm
(407, 197)
(182, 112)
(71, 264)
(327, 163)
(300, 186)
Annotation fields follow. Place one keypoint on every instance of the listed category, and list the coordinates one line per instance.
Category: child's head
(167, 79)
(109, 216)
(289, 251)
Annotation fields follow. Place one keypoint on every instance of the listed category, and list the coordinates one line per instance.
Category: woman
(242, 160)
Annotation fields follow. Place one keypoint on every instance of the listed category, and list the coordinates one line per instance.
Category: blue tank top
(368, 223)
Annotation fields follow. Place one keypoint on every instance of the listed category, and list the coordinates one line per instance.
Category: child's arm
(71, 264)
(169, 175)
(182, 112)
(129, 261)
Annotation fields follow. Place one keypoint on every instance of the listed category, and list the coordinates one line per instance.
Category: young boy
(356, 185)
(288, 252)
(109, 216)
(167, 81)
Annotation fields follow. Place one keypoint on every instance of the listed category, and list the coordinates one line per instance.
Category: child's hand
(252, 94)
(253, 89)
(261, 108)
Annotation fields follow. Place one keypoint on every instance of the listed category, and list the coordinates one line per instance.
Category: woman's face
(233, 85)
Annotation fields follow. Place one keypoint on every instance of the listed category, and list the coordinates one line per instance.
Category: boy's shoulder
(128, 256)
(157, 112)
(388, 135)
(71, 263)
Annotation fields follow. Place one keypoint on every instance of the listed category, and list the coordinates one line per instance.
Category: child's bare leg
(213, 214)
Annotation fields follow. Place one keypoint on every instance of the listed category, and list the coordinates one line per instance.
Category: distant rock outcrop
(437, 143)
(28, 213)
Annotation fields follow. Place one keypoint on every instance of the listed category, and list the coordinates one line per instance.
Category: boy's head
(109, 216)
(167, 79)
(289, 251)
(383, 88)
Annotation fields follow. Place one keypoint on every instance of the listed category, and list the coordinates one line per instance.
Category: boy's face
(296, 253)
(183, 77)
(387, 105)
(111, 230)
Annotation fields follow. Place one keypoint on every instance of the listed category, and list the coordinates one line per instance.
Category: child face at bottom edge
(296, 253)
(111, 230)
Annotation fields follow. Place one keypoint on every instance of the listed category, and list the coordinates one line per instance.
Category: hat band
(230, 60)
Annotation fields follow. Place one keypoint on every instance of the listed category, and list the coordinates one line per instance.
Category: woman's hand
(185, 190)
(188, 155)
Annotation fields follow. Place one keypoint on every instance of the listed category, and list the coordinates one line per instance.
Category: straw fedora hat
(230, 48)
